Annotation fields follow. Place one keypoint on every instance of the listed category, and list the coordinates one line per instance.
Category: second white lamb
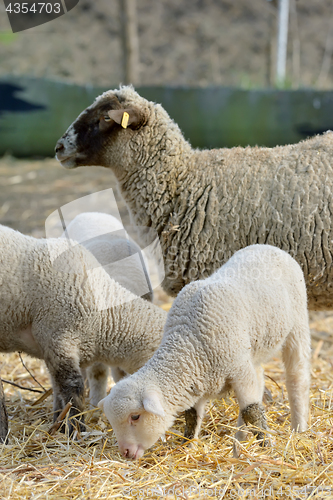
(218, 333)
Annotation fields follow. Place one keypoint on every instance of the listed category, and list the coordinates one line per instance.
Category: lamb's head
(137, 416)
(99, 134)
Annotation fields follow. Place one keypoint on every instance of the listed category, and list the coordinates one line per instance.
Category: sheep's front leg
(68, 386)
(241, 434)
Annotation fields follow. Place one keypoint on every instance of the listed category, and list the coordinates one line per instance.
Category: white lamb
(218, 332)
(105, 237)
(51, 309)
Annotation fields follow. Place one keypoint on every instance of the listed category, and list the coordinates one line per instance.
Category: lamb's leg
(240, 434)
(248, 387)
(97, 375)
(68, 385)
(193, 419)
(296, 357)
(58, 403)
(3, 416)
(117, 373)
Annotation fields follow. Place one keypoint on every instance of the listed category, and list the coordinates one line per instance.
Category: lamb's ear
(152, 403)
(129, 117)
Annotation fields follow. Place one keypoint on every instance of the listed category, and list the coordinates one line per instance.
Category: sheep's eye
(107, 118)
(135, 417)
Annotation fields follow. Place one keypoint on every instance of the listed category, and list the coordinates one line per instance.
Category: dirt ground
(181, 42)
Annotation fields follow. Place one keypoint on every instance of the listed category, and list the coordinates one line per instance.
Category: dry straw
(37, 465)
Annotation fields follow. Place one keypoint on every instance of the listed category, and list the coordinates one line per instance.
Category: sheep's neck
(154, 180)
(180, 379)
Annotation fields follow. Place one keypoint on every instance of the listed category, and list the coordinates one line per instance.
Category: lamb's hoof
(236, 449)
(188, 442)
(73, 427)
(266, 440)
(260, 436)
(3, 438)
(254, 414)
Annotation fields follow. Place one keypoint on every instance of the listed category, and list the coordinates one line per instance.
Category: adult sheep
(206, 205)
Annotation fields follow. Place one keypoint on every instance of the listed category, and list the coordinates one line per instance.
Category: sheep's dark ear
(130, 117)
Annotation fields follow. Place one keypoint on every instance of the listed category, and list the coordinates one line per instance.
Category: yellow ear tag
(124, 120)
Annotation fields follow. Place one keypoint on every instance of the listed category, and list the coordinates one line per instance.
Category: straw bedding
(37, 465)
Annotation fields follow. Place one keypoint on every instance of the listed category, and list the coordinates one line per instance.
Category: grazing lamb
(69, 312)
(218, 332)
(206, 205)
(105, 237)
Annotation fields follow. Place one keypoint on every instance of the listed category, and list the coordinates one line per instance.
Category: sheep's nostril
(59, 147)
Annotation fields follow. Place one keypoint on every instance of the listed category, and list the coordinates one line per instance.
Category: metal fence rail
(35, 112)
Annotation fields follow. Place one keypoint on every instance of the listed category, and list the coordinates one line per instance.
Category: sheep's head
(92, 137)
(137, 417)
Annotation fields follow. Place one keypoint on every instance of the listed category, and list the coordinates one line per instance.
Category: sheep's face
(137, 421)
(92, 138)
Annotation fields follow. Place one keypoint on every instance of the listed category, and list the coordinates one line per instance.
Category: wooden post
(282, 42)
(130, 40)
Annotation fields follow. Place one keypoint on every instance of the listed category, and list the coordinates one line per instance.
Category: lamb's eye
(135, 417)
(107, 118)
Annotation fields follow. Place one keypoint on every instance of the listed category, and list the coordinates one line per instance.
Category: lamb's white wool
(105, 237)
(50, 312)
(218, 333)
(206, 205)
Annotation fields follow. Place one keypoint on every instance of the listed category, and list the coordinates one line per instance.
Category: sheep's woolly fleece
(206, 205)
